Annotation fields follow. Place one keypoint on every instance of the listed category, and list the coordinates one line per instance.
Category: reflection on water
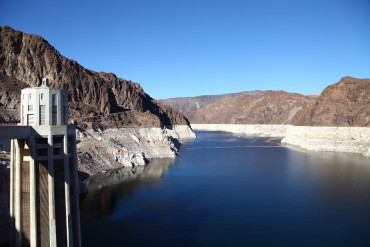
(342, 179)
(236, 192)
(155, 170)
(105, 188)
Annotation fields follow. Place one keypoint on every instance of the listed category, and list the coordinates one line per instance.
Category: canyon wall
(345, 103)
(92, 96)
(106, 109)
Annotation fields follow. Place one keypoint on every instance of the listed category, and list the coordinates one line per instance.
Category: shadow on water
(157, 215)
(104, 189)
(107, 193)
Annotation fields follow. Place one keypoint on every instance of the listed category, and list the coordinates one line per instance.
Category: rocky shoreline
(101, 150)
(335, 139)
(274, 130)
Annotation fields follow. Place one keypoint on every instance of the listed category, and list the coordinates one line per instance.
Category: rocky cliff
(107, 109)
(25, 59)
(187, 104)
(269, 107)
(346, 103)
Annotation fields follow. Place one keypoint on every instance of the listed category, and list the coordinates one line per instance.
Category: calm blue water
(225, 190)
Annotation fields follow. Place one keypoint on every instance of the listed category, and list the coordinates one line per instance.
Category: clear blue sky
(179, 48)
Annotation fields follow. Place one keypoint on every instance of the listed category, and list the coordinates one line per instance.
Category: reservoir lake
(229, 190)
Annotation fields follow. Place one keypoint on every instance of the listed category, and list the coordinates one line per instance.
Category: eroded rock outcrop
(101, 150)
(346, 103)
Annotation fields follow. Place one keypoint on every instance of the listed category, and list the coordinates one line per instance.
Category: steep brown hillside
(269, 107)
(187, 104)
(25, 59)
(346, 103)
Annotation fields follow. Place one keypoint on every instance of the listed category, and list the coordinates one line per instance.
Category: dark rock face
(25, 59)
(187, 104)
(10, 99)
(346, 103)
(269, 107)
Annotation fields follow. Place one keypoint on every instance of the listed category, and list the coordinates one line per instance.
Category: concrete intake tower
(44, 206)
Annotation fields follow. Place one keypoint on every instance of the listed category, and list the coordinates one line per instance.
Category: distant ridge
(187, 104)
(268, 107)
(344, 104)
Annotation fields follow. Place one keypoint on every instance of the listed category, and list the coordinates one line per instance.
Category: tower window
(42, 114)
(54, 99)
(41, 96)
(30, 119)
(64, 117)
(54, 115)
(30, 107)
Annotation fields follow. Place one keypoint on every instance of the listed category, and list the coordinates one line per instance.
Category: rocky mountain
(346, 103)
(187, 104)
(96, 99)
(268, 107)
